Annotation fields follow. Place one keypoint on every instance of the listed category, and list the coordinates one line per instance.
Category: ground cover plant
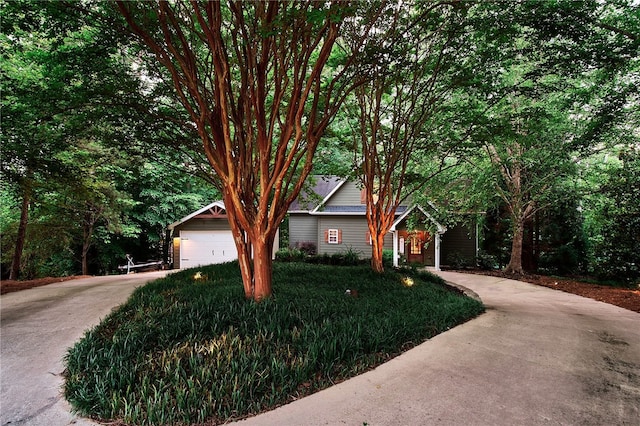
(189, 349)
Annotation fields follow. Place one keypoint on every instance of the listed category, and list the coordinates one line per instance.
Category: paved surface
(536, 357)
(36, 328)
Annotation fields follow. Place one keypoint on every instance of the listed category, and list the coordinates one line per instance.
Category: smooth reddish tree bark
(394, 108)
(251, 76)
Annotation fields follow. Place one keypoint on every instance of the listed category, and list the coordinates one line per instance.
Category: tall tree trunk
(255, 250)
(22, 231)
(262, 264)
(255, 259)
(377, 242)
(86, 242)
(515, 262)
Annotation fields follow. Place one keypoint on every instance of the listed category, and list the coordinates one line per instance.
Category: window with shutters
(333, 236)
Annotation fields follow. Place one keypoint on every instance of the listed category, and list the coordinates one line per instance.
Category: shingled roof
(323, 185)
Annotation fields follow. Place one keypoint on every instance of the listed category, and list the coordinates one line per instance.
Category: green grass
(186, 351)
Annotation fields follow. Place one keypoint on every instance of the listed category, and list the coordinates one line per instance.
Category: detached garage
(203, 238)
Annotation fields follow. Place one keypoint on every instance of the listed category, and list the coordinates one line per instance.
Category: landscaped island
(189, 348)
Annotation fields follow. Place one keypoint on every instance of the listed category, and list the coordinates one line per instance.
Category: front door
(414, 248)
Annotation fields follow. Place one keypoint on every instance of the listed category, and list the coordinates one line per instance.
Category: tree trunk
(244, 259)
(262, 264)
(86, 244)
(515, 263)
(255, 259)
(22, 232)
(255, 249)
(377, 244)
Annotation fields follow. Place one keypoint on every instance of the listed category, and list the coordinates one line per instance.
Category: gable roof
(327, 186)
(219, 204)
(324, 187)
(441, 229)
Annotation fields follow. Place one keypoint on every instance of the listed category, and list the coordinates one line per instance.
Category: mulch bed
(9, 286)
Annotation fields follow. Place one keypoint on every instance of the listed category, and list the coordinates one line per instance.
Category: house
(331, 217)
(204, 237)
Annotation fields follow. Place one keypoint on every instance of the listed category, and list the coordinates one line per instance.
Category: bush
(307, 247)
(456, 260)
(192, 350)
(562, 260)
(486, 261)
(290, 255)
(387, 257)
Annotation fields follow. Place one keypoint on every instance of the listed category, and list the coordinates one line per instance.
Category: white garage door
(206, 247)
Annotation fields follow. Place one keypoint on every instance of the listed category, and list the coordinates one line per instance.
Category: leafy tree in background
(537, 97)
(52, 69)
(72, 87)
(250, 75)
(614, 218)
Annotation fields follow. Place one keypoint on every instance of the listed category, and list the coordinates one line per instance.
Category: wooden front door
(414, 248)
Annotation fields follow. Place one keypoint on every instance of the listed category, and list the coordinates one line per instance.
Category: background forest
(525, 114)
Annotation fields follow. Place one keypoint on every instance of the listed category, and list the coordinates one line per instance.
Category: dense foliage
(189, 349)
(539, 132)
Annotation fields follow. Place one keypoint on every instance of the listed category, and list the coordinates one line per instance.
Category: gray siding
(347, 195)
(302, 228)
(354, 235)
(459, 241)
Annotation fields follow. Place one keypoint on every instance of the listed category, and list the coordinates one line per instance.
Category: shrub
(290, 255)
(486, 261)
(387, 257)
(307, 247)
(457, 261)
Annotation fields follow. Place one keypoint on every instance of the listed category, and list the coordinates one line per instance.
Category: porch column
(437, 254)
(395, 249)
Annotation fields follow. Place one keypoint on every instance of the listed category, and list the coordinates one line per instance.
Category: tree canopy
(120, 117)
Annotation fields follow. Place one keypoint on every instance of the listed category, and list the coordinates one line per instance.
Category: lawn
(190, 349)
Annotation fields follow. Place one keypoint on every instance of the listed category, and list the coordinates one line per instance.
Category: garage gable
(203, 238)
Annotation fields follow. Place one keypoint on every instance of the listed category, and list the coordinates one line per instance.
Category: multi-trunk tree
(395, 107)
(255, 80)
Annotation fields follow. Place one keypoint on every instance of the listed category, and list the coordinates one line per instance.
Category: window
(333, 236)
(401, 245)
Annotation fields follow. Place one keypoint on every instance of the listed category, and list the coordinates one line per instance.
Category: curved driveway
(536, 357)
(37, 326)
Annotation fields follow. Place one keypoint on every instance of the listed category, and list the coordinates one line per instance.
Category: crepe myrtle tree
(395, 107)
(255, 80)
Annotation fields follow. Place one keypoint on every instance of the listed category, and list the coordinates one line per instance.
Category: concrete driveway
(36, 328)
(536, 357)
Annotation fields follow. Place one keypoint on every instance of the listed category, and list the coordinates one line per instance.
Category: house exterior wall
(203, 225)
(354, 233)
(302, 228)
(199, 224)
(459, 241)
(347, 195)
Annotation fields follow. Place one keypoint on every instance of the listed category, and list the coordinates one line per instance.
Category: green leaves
(193, 351)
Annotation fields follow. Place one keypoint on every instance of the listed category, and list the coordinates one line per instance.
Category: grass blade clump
(190, 349)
